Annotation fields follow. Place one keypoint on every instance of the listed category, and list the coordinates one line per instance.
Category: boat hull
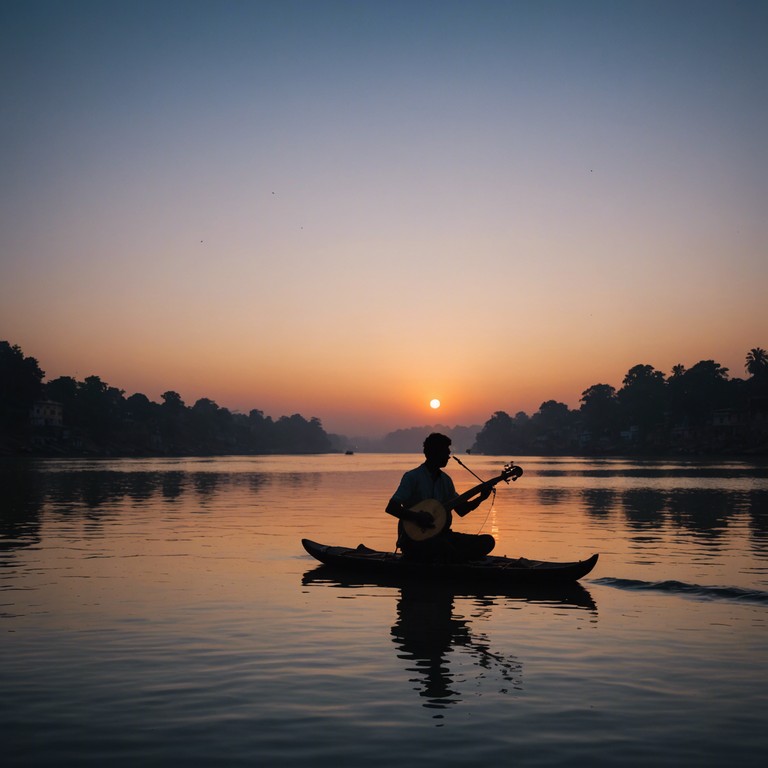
(502, 571)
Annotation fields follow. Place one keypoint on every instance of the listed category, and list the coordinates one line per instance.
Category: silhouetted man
(428, 481)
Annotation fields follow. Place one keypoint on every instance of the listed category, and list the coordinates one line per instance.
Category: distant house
(630, 435)
(47, 413)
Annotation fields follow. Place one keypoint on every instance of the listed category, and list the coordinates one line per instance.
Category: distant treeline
(411, 439)
(89, 417)
(699, 410)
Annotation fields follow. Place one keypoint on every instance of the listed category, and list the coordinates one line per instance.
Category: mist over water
(158, 611)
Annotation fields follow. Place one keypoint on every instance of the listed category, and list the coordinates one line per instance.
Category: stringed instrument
(441, 515)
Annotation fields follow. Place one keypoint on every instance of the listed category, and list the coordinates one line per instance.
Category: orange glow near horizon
(369, 401)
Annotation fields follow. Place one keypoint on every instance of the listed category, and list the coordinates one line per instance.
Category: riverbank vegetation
(698, 410)
(69, 417)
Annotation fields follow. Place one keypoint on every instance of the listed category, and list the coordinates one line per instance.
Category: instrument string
(490, 508)
(493, 490)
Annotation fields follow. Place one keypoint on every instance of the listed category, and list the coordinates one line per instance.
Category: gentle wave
(693, 590)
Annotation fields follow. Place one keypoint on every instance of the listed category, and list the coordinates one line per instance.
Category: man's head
(437, 449)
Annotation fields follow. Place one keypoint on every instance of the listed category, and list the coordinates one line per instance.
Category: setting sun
(434, 403)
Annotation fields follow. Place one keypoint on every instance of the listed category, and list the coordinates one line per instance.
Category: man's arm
(467, 505)
(401, 512)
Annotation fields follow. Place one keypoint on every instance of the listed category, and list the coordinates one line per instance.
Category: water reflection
(20, 510)
(756, 505)
(651, 469)
(172, 485)
(570, 595)
(28, 491)
(440, 646)
(599, 502)
(553, 496)
(703, 511)
(428, 633)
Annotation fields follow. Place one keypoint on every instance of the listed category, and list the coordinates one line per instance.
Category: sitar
(441, 514)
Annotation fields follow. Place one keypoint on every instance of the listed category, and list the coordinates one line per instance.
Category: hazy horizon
(436, 423)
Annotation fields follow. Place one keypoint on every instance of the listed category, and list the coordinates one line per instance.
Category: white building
(47, 413)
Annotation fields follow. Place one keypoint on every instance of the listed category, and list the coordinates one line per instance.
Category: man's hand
(486, 492)
(422, 519)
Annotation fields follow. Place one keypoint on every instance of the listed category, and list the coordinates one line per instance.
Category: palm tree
(757, 361)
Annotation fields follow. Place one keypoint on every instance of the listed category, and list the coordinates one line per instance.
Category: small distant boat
(490, 570)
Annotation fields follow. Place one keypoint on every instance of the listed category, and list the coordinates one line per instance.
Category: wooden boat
(500, 571)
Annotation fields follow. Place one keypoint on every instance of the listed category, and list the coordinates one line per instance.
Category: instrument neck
(472, 491)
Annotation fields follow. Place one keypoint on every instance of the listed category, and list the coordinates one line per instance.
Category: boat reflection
(447, 656)
(571, 594)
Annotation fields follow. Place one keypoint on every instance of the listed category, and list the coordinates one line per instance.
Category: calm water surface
(158, 612)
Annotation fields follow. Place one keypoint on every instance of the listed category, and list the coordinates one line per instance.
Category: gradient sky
(345, 209)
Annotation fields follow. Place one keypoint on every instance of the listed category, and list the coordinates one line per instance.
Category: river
(159, 612)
